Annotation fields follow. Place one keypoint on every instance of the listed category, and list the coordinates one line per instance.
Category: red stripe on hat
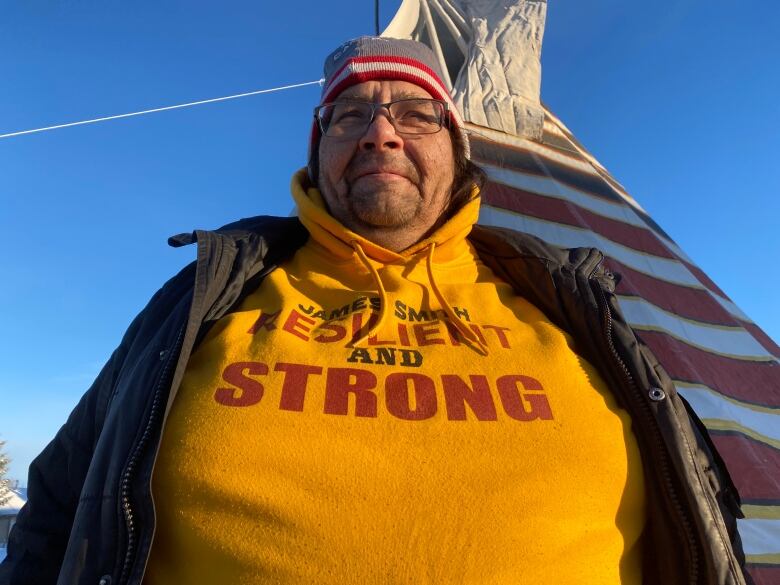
(397, 59)
(385, 69)
(386, 59)
(361, 77)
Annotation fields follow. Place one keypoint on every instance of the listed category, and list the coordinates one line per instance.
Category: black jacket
(89, 518)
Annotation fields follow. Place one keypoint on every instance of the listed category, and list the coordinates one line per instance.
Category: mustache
(363, 164)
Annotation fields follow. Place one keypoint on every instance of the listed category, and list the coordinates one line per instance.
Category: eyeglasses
(350, 119)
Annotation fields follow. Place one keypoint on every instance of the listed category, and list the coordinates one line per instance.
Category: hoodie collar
(326, 230)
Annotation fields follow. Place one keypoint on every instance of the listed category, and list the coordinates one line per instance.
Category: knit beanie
(381, 58)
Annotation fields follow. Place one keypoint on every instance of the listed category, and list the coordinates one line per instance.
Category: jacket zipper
(130, 469)
(664, 463)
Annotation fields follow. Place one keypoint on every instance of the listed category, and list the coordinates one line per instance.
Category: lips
(378, 171)
(380, 175)
(381, 171)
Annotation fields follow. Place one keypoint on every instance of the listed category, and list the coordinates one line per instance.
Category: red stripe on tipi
(690, 303)
(763, 575)
(751, 465)
(762, 338)
(568, 213)
(704, 279)
(750, 381)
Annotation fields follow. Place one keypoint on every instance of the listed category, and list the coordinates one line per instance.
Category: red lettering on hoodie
(296, 324)
(457, 393)
(266, 321)
(403, 335)
(398, 396)
(502, 338)
(296, 378)
(247, 391)
(523, 406)
(339, 332)
(341, 382)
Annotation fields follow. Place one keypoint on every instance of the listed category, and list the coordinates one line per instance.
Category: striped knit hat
(370, 58)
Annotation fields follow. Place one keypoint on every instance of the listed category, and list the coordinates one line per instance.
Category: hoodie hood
(445, 244)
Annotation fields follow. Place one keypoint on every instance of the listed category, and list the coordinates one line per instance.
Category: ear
(314, 156)
(312, 169)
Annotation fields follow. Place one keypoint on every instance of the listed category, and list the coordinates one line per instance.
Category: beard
(378, 192)
(383, 203)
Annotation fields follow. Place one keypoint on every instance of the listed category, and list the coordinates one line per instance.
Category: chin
(383, 210)
(385, 219)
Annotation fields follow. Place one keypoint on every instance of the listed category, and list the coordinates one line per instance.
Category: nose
(381, 134)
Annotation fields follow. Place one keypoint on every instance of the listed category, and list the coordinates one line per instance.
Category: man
(364, 395)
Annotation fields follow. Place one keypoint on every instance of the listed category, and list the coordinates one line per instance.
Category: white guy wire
(187, 105)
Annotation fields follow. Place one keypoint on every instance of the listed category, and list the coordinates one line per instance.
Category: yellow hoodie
(373, 417)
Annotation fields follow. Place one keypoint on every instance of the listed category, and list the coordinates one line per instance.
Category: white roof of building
(15, 503)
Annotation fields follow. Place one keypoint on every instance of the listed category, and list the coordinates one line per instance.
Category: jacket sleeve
(727, 496)
(38, 540)
(694, 444)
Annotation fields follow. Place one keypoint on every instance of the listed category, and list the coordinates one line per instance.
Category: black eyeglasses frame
(444, 121)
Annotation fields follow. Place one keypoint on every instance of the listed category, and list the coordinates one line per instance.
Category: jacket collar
(538, 271)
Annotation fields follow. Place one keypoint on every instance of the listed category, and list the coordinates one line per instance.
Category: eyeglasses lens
(409, 116)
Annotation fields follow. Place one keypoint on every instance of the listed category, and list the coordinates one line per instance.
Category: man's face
(390, 188)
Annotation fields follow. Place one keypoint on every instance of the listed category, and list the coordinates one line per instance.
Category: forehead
(383, 90)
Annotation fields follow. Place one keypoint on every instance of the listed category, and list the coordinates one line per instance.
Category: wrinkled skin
(390, 188)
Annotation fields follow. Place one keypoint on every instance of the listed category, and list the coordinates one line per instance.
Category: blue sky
(680, 105)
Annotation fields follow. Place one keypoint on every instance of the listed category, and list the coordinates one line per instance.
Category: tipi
(544, 182)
